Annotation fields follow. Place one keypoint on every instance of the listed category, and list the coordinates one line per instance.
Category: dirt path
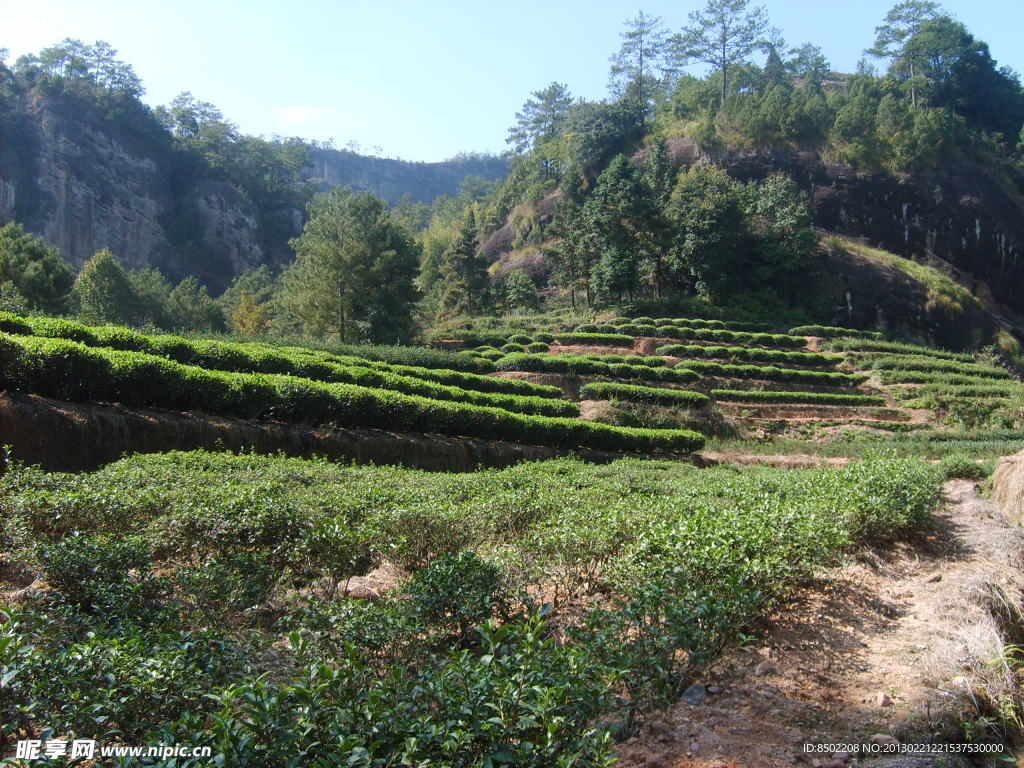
(886, 648)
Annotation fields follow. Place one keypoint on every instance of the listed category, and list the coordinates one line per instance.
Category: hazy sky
(421, 80)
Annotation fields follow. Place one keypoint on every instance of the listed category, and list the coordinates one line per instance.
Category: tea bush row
(691, 322)
(608, 390)
(708, 334)
(596, 339)
(899, 376)
(853, 345)
(924, 363)
(832, 332)
(218, 356)
(809, 398)
(973, 390)
(771, 373)
(254, 357)
(650, 361)
(581, 365)
(749, 353)
(72, 371)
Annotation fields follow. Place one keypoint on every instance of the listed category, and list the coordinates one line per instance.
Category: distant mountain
(391, 179)
(85, 175)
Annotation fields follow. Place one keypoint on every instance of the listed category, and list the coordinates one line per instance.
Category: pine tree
(32, 271)
(464, 270)
(723, 35)
(103, 292)
(639, 58)
(190, 308)
(617, 221)
(354, 269)
(902, 22)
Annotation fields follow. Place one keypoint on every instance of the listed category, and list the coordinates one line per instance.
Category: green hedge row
(853, 345)
(923, 363)
(254, 357)
(475, 338)
(602, 339)
(771, 373)
(709, 334)
(613, 390)
(809, 398)
(692, 322)
(749, 353)
(236, 358)
(896, 376)
(652, 361)
(72, 371)
(992, 389)
(832, 331)
(577, 365)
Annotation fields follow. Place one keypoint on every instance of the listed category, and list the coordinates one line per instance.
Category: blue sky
(420, 80)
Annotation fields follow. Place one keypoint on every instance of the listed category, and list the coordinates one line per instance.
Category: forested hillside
(680, 190)
(85, 164)
(685, 186)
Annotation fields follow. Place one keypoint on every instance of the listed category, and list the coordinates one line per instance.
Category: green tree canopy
(518, 292)
(617, 218)
(723, 35)
(152, 292)
(639, 61)
(464, 271)
(542, 118)
(711, 231)
(353, 271)
(33, 270)
(103, 291)
(190, 308)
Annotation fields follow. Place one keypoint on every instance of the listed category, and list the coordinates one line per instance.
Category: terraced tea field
(294, 610)
(637, 385)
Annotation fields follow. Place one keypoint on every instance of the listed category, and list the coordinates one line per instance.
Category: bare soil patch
(890, 646)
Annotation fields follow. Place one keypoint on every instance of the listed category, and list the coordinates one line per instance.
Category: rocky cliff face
(82, 190)
(391, 179)
(84, 184)
(963, 214)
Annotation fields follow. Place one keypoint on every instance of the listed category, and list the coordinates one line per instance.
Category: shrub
(456, 593)
(771, 373)
(520, 338)
(100, 574)
(749, 353)
(544, 338)
(597, 339)
(810, 398)
(682, 398)
(538, 346)
(233, 581)
(53, 368)
(831, 331)
(960, 467)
